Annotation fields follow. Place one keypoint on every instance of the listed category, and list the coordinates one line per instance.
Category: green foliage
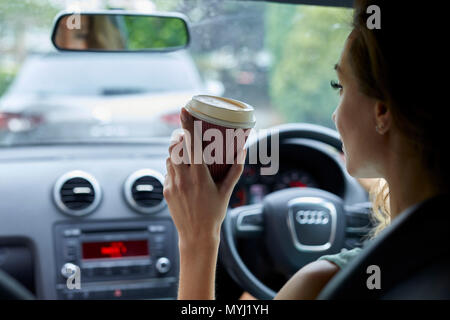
(5, 80)
(155, 32)
(16, 19)
(37, 13)
(172, 5)
(306, 42)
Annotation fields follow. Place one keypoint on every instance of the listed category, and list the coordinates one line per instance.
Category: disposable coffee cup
(228, 116)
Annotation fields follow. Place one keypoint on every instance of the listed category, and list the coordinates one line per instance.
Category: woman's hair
(391, 66)
(381, 218)
(104, 34)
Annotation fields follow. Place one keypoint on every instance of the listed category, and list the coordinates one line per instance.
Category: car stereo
(117, 259)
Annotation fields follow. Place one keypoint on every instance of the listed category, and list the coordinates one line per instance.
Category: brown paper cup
(222, 114)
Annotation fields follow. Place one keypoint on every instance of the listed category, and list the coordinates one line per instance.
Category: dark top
(412, 254)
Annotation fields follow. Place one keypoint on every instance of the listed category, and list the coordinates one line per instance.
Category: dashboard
(253, 187)
(100, 208)
(303, 164)
(96, 207)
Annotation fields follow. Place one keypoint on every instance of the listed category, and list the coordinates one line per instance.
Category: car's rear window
(98, 74)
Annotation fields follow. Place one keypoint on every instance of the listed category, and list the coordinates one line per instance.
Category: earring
(379, 128)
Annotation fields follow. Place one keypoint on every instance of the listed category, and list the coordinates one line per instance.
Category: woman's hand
(198, 206)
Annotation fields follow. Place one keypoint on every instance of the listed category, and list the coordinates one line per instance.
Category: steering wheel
(11, 289)
(297, 225)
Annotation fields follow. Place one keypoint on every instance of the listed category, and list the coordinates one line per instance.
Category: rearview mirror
(120, 31)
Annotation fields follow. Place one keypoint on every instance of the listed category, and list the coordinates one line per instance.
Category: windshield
(279, 58)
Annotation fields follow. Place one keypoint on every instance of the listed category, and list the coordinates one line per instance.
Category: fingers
(178, 179)
(201, 174)
(234, 173)
(187, 120)
(180, 168)
(175, 141)
(176, 150)
(177, 166)
(168, 179)
(176, 137)
(194, 149)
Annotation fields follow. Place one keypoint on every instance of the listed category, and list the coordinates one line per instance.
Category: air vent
(77, 193)
(144, 191)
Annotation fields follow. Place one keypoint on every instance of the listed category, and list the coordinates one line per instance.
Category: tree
(17, 18)
(306, 42)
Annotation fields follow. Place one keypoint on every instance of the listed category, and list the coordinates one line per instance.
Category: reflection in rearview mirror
(120, 32)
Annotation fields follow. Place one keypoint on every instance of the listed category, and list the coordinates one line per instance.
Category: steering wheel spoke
(358, 221)
(248, 221)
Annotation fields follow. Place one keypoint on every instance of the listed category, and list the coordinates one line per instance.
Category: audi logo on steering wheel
(312, 217)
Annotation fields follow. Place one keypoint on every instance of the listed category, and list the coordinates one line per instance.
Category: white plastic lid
(222, 111)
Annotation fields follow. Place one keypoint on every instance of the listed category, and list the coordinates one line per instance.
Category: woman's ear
(383, 117)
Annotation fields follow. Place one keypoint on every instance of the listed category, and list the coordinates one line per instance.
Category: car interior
(85, 126)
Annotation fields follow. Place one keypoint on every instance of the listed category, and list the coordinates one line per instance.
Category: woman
(96, 32)
(390, 128)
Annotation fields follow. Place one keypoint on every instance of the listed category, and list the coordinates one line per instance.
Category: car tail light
(17, 122)
(172, 119)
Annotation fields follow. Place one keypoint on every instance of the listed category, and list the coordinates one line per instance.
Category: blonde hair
(379, 195)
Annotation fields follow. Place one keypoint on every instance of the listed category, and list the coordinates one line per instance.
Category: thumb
(234, 173)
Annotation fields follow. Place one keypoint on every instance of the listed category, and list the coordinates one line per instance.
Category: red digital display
(115, 249)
